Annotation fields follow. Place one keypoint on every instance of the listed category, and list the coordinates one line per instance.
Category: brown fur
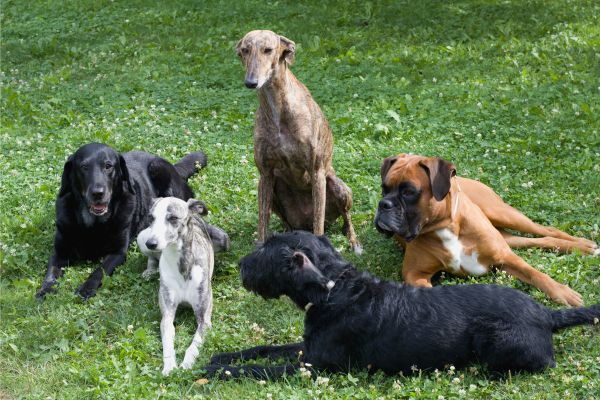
(293, 144)
(480, 219)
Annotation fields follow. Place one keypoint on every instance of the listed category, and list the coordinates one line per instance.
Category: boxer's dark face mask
(398, 211)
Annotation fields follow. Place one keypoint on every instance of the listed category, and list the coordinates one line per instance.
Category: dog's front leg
(318, 197)
(94, 281)
(265, 201)
(203, 311)
(167, 330)
(55, 264)
(263, 372)
(292, 351)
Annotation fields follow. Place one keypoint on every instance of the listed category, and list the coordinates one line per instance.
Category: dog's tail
(575, 316)
(191, 164)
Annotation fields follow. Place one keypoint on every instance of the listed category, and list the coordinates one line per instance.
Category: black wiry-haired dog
(103, 203)
(355, 320)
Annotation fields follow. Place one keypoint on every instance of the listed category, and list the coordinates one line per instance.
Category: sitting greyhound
(182, 240)
(293, 144)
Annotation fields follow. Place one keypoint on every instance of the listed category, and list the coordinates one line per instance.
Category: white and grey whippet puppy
(181, 241)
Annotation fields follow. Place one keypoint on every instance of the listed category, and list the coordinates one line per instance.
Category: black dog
(355, 320)
(103, 203)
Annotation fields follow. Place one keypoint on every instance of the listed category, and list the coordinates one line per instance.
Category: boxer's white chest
(459, 258)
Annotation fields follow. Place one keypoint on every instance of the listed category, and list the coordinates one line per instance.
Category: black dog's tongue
(99, 208)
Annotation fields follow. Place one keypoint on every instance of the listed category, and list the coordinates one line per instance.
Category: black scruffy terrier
(355, 320)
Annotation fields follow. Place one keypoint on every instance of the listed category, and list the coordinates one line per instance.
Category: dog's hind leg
(203, 311)
(506, 216)
(167, 181)
(292, 351)
(263, 372)
(190, 164)
(168, 307)
(340, 197)
(219, 238)
(508, 347)
(546, 242)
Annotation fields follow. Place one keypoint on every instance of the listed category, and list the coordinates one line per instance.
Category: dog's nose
(251, 83)
(98, 192)
(386, 204)
(151, 244)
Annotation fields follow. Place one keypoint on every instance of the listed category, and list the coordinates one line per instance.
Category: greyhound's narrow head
(169, 218)
(262, 53)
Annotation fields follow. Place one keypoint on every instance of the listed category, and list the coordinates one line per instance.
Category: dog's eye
(409, 192)
(83, 167)
(245, 50)
(151, 218)
(172, 218)
(108, 166)
(267, 50)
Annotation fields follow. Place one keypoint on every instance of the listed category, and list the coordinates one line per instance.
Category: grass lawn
(507, 90)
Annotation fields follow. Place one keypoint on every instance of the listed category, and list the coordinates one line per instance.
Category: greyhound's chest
(180, 289)
(460, 261)
(285, 154)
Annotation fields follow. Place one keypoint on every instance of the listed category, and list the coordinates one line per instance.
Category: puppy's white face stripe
(469, 263)
(169, 215)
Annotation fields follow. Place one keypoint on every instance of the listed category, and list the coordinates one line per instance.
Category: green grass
(509, 91)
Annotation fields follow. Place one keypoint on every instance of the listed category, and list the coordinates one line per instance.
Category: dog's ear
(440, 174)
(238, 48)
(197, 207)
(66, 178)
(287, 49)
(386, 165)
(125, 174)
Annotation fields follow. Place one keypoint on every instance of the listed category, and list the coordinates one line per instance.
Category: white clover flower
(261, 382)
(322, 381)
(456, 380)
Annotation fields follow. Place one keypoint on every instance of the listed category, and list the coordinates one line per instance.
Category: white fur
(469, 263)
(174, 287)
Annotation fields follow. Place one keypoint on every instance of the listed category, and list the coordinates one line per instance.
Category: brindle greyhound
(293, 144)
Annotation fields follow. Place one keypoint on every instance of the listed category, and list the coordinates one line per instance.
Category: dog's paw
(86, 290)
(169, 366)
(357, 248)
(190, 357)
(567, 296)
(149, 273)
(43, 291)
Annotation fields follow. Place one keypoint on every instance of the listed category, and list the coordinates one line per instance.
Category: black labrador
(355, 320)
(103, 204)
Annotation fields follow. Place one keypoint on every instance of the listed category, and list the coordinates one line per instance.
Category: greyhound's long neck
(273, 96)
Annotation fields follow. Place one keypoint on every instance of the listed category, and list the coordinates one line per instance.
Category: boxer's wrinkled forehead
(402, 168)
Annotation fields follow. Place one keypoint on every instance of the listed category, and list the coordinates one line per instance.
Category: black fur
(103, 203)
(367, 323)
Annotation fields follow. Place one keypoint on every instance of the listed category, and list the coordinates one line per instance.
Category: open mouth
(99, 208)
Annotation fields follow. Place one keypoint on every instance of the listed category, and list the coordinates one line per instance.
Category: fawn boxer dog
(293, 144)
(453, 224)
